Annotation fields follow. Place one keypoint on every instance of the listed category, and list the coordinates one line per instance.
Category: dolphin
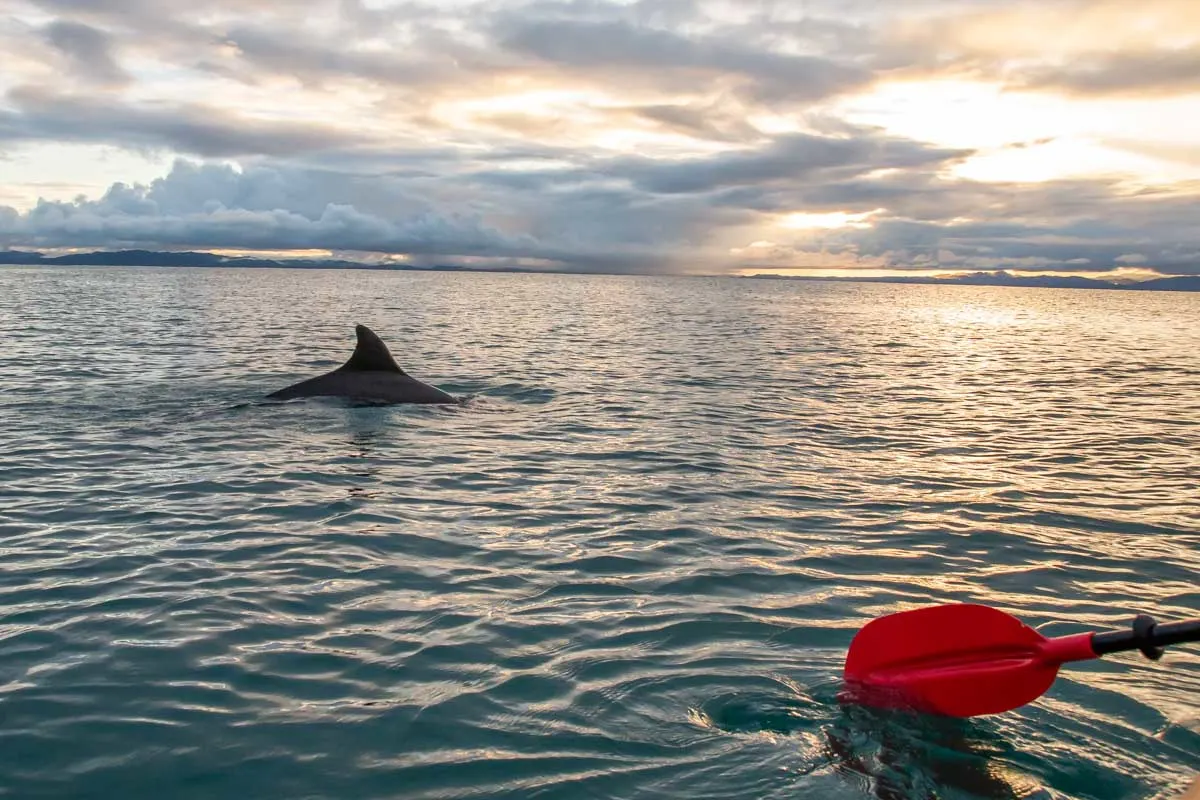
(370, 374)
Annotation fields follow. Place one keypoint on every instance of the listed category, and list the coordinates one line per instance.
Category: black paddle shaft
(1147, 636)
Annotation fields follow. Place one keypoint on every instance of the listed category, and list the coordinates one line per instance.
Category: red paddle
(966, 660)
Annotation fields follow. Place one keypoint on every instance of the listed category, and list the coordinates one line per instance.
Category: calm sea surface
(628, 567)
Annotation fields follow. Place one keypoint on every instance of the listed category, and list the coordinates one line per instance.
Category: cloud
(789, 157)
(706, 120)
(1185, 154)
(593, 134)
(769, 51)
(1082, 245)
(43, 114)
(609, 216)
(216, 206)
(302, 55)
(88, 51)
(410, 49)
(1162, 72)
(277, 208)
(1086, 48)
(1064, 226)
(336, 228)
(659, 55)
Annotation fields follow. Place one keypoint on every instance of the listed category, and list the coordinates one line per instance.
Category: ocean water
(629, 566)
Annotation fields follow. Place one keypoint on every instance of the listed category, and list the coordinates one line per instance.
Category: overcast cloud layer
(658, 135)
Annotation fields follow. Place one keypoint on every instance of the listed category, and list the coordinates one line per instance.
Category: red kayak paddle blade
(958, 660)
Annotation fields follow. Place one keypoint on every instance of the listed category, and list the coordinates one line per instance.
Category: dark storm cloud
(44, 115)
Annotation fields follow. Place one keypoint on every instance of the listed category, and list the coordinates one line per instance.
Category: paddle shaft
(1147, 636)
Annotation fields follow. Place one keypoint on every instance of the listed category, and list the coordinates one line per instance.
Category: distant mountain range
(152, 258)
(155, 258)
(1180, 283)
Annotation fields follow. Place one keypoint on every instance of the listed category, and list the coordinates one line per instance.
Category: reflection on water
(362, 456)
(899, 756)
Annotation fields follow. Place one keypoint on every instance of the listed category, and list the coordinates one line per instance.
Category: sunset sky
(652, 136)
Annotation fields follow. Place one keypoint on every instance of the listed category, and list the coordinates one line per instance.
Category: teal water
(628, 567)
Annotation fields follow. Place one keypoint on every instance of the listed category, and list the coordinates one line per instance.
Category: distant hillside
(1183, 283)
(135, 258)
(151, 258)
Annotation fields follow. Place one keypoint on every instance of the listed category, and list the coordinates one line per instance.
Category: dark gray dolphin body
(370, 374)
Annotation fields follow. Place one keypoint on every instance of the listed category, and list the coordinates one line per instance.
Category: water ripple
(629, 566)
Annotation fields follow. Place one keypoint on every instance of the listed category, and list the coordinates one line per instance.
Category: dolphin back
(370, 374)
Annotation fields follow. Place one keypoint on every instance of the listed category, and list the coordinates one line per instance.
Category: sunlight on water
(629, 566)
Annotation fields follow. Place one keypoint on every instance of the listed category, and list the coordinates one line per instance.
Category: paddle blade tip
(958, 660)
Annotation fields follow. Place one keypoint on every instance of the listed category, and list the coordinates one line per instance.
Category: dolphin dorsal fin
(371, 354)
